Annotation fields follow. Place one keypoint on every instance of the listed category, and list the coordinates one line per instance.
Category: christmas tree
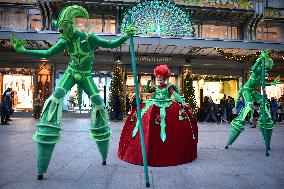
(117, 104)
(189, 90)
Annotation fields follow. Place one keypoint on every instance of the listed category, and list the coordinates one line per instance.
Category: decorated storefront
(21, 81)
(102, 80)
(216, 87)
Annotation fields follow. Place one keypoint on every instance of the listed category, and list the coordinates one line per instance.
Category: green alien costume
(80, 46)
(251, 95)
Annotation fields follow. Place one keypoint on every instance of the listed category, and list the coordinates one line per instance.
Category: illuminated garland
(248, 58)
(4, 42)
(239, 58)
(159, 18)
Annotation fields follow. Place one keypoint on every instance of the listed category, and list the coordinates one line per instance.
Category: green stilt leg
(263, 116)
(100, 132)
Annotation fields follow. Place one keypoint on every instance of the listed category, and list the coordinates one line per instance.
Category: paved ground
(76, 162)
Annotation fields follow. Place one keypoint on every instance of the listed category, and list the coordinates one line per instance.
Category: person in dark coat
(5, 107)
(224, 107)
(211, 111)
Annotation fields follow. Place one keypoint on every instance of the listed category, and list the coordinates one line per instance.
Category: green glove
(18, 44)
(130, 30)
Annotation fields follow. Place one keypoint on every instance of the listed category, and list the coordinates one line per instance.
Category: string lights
(238, 58)
(246, 58)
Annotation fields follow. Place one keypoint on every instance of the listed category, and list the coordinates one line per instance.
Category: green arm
(275, 82)
(147, 86)
(179, 98)
(96, 41)
(257, 64)
(57, 48)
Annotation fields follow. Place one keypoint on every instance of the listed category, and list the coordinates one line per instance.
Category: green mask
(65, 22)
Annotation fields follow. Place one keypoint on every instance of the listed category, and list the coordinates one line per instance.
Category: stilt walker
(251, 95)
(80, 46)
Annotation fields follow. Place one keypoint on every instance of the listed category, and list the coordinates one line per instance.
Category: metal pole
(263, 107)
(146, 175)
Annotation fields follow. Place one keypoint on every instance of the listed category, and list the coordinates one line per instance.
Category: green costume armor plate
(80, 46)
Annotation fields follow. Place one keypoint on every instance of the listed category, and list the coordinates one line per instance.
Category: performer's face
(66, 31)
(161, 80)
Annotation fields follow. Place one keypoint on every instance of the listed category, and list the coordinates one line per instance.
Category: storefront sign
(232, 4)
(273, 13)
(153, 59)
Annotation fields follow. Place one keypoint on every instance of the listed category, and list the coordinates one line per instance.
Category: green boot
(237, 126)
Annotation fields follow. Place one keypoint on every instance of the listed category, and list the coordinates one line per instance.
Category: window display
(275, 91)
(71, 98)
(23, 88)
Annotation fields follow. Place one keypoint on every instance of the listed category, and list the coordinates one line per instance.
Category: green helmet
(69, 13)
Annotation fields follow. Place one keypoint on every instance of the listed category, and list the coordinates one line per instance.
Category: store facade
(216, 28)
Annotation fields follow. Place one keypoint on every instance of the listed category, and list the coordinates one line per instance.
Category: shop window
(35, 20)
(267, 33)
(219, 31)
(234, 33)
(196, 27)
(14, 19)
(109, 26)
(23, 89)
(89, 25)
(130, 80)
(275, 91)
(96, 25)
(144, 79)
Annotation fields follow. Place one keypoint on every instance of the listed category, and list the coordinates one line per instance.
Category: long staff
(146, 175)
(263, 107)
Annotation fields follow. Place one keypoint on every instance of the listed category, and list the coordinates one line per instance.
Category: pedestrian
(255, 115)
(5, 108)
(240, 105)
(273, 109)
(280, 110)
(231, 105)
(211, 111)
(224, 107)
(37, 106)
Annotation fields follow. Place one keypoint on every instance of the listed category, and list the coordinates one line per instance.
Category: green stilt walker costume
(251, 95)
(80, 47)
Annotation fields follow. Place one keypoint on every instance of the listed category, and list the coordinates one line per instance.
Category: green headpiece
(69, 13)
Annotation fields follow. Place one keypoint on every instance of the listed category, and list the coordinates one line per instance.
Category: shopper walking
(211, 111)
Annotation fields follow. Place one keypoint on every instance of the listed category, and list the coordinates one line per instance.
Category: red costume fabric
(179, 147)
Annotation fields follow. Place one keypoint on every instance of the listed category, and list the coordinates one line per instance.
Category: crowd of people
(226, 111)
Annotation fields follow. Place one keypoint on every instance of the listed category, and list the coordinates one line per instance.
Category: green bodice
(164, 93)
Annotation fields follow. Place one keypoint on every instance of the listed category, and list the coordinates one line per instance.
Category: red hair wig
(162, 71)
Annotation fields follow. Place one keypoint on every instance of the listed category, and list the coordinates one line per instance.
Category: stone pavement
(76, 161)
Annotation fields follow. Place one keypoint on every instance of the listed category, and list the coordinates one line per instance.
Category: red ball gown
(171, 133)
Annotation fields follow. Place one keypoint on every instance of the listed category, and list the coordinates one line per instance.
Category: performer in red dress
(170, 131)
